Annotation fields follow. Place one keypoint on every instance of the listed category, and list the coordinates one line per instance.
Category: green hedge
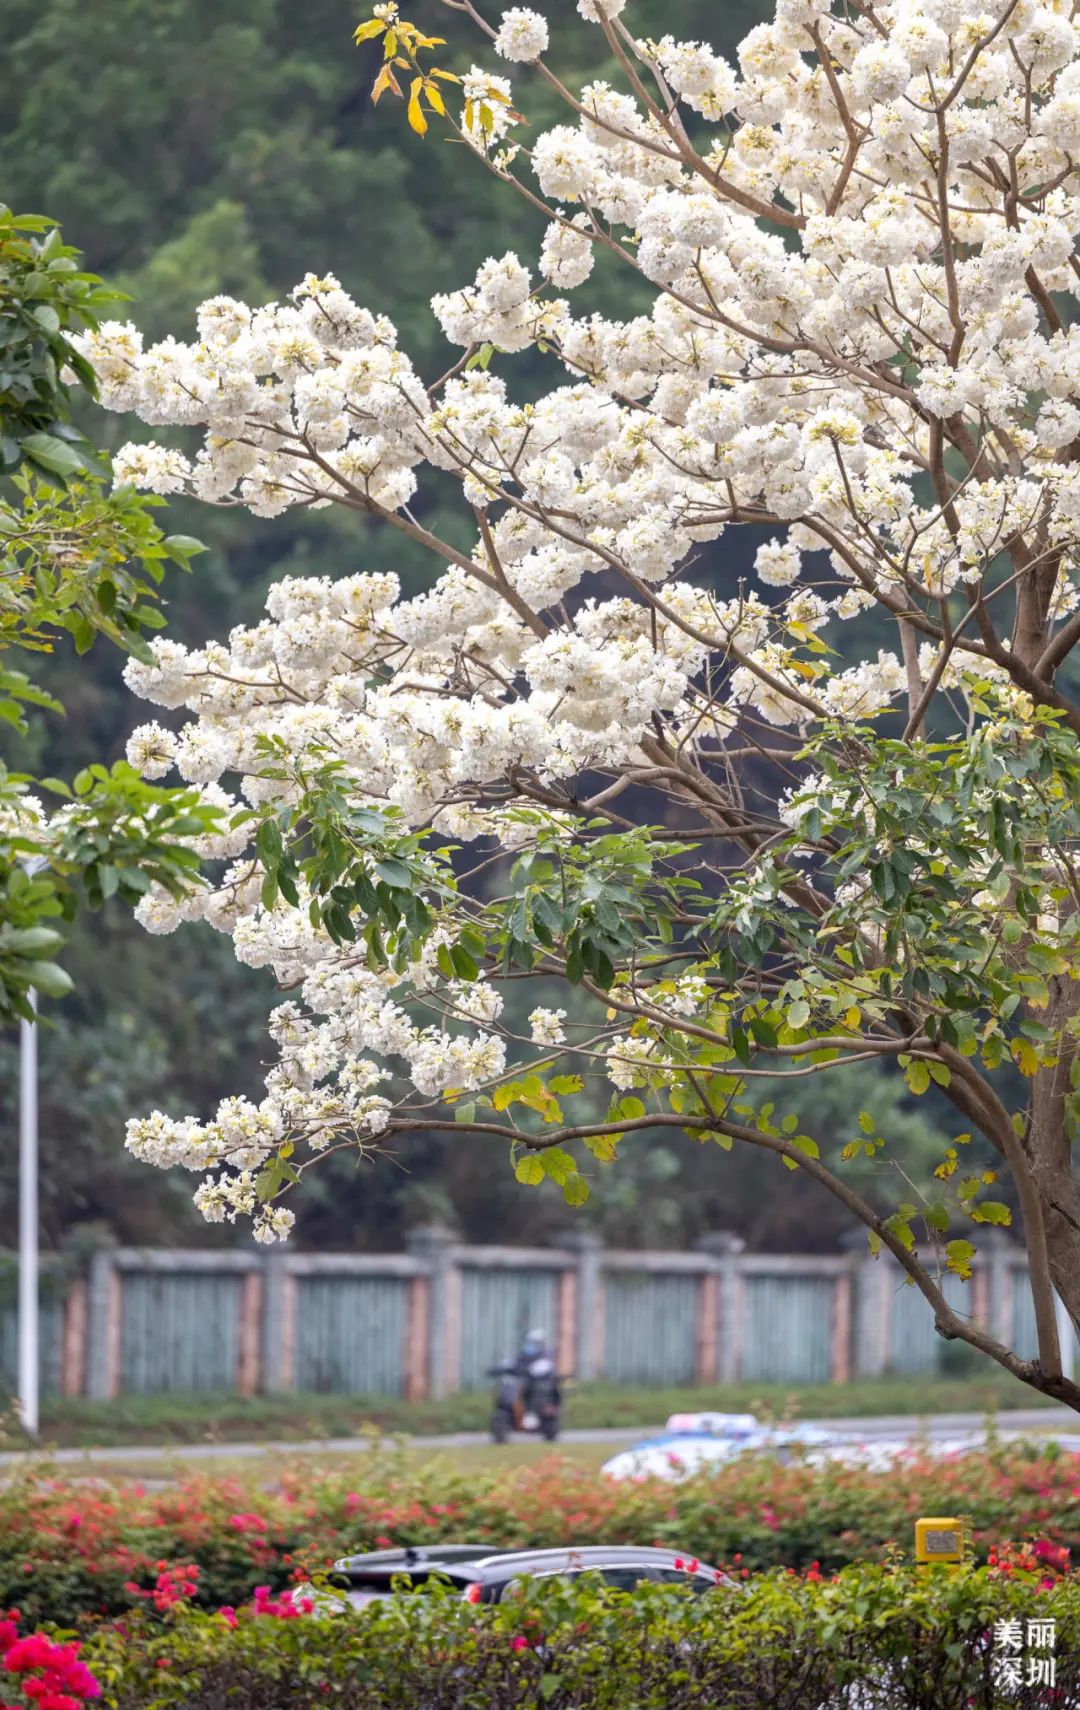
(875, 1638)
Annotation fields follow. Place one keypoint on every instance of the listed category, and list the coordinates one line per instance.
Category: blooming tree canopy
(730, 825)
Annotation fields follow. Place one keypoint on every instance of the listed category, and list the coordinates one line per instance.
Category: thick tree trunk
(1048, 1145)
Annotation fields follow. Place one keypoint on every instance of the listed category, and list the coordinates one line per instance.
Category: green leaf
(558, 1164)
(528, 1170)
(917, 1076)
(958, 1256)
(563, 1084)
(395, 874)
(29, 940)
(626, 1109)
(464, 966)
(992, 1211)
(575, 1190)
(185, 545)
(54, 454)
(50, 978)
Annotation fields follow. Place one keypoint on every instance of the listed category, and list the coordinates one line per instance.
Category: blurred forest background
(189, 148)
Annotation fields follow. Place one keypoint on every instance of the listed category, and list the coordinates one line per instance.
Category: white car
(695, 1443)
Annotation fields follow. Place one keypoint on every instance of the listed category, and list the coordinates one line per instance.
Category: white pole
(28, 1224)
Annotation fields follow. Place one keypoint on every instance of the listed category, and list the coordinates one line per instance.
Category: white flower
(522, 34)
(566, 256)
(1058, 423)
(151, 749)
(778, 563)
(153, 467)
(595, 9)
(546, 1026)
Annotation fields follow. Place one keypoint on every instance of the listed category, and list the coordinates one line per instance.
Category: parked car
(484, 1575)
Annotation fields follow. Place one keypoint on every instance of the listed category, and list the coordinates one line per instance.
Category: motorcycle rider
(528, 1396)
(533, 1363)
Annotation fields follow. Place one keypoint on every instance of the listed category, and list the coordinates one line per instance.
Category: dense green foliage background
(190, 148)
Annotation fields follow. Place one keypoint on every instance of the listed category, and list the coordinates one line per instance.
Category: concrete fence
(430, 1321)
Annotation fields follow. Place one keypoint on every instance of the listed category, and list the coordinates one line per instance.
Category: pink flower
(247, 1522)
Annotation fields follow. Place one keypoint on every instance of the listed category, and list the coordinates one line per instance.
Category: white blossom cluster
(856, 238)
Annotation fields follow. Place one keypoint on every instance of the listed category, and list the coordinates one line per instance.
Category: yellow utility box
(939, 1539)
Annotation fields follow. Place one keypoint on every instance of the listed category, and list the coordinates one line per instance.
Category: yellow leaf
(1025, 1056)
(373, 27)
(390, 45)
(852, 1018)
(416, 118)
(435, 100)
(385, 80)
(447, 76)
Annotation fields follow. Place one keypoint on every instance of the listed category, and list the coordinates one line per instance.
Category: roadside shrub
(72, 1552)
(875, 1638)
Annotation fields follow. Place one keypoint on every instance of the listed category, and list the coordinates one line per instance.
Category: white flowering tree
(582, 757)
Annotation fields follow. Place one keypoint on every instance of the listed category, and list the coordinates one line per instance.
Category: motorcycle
(529, 1400)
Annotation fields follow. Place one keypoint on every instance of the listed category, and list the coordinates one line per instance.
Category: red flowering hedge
(73, 1551)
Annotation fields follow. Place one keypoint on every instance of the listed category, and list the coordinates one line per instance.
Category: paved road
(1063, 1424)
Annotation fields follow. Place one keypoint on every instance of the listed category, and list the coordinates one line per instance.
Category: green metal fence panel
(497, 1308)
(914, 1344)
(1024, 1340)
(50, 1342)
(350, 1334)
(179, 1331)
(650, 1327)
(787, 1329)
